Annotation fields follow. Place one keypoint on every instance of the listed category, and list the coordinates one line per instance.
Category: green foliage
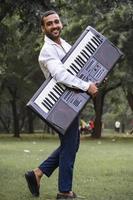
(117, 108)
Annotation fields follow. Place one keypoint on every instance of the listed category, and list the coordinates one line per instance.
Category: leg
(69, 147)
(47, 167)
(51, 163)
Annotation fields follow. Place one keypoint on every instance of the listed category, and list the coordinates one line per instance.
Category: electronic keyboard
(91, 58)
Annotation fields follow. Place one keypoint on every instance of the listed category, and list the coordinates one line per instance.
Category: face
(52, 26)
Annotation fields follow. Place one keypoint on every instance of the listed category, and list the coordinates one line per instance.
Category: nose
(54, 25)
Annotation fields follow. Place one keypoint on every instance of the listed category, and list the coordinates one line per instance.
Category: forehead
(52, 17)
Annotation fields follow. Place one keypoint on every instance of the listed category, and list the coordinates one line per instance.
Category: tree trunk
(5, 126)
(98, 106)
(130, 99)
(15, 119)
(122, 127)
(30, 121)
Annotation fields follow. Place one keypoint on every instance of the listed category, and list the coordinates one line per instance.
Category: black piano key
(83, 54)
(61, 88)
(57, 91)
(81, 62)
(74, 68)
(82, 59)
(91, 48)
(78, 62)
(49, 101)
(45, 105)
(87, 56)
(54, 95)
(70, 71)
(88, 49)
(95, 42)
(98, 40)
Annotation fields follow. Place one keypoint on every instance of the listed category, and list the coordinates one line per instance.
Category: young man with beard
(53, 50)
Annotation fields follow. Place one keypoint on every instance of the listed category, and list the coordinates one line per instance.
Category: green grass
(103, 168)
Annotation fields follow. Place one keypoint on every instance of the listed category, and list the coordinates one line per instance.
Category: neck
(58, 41)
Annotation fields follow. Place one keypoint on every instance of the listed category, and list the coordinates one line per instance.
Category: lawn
(103, 169)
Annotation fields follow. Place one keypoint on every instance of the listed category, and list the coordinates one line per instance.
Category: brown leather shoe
(66, 196)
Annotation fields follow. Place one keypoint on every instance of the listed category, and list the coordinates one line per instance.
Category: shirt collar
(48, 40)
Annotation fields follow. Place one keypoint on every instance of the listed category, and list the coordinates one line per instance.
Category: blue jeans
(64, 157)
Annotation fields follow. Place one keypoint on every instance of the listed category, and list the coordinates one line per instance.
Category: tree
(20, 44)
(109, 18)
(18, 52)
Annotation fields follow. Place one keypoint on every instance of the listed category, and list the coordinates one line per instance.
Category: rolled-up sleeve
(50, 62)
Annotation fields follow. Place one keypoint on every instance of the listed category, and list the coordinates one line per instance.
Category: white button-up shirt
(50, 63)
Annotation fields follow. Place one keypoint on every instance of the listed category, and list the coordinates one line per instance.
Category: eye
(57, 21)
(48, 23)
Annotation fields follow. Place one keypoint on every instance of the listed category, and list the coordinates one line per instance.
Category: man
(117, 126)
(52, 52)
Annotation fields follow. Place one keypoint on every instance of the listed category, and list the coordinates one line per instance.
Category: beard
(53, 35)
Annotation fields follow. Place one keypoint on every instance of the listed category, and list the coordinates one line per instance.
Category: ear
(42, 28)
(61, 25)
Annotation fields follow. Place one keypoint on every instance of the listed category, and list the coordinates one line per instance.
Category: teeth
(55, 31)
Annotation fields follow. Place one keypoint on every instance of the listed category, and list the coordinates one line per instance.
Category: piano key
(94, 41)
(84, 60)
(73, 73)
(75, 69)
(55, 96)
(45, 105)
(89, 48)
(49, 100)
(85, 54)
(92, 48)
(62, 87)
(52, 97)
(81, 60)
(58, 89)
(79, 63)
(76, 65)
(98, 41)
(57, 93)
(70, 69)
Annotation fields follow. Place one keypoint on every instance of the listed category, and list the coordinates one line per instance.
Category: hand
(93, 89)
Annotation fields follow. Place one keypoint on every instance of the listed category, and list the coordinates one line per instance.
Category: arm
(50, 61)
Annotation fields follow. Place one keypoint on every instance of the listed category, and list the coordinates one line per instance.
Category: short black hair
(45, 14)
